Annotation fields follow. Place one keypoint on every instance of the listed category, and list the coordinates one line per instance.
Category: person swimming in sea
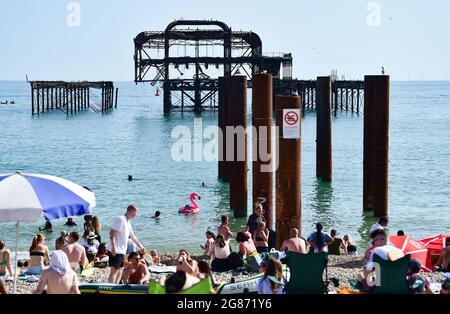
(47, 227)
(157, 215)
(130, 177)
(70, 222)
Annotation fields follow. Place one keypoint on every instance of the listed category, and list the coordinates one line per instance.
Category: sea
(100, 151)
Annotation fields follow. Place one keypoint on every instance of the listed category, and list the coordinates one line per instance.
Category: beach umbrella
(23, 197)
(412, 247)
(434, 245)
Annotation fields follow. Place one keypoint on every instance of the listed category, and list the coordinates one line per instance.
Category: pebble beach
(341, 267)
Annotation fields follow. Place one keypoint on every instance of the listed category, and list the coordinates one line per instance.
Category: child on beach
(273, 281)
(224, 229)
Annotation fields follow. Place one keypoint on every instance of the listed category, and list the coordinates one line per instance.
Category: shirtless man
(294, 244)
(59, 278)
(443, 262)
(75, 252)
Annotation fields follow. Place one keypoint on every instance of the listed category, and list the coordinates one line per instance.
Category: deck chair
(392, 277)
(203, 287)
(306, 273)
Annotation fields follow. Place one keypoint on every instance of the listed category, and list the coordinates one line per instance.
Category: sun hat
(91, 235)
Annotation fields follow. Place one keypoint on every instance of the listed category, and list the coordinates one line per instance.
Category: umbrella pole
(15, 264)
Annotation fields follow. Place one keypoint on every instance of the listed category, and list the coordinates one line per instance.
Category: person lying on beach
(3, 287)
(246, 245)
(294, 243)
(205, 271)
(443, 263)
(224, 228)
(62, 240)
(180, 281)
(273, 281)
(59, 278)
(384, 250)
(5, 261)
(319, 240)
(76, 253)
(39, 255)
(156, 260)
(208, 247)
(185, 263)
(136, 271)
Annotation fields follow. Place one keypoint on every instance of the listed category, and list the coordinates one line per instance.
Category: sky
(356, 37)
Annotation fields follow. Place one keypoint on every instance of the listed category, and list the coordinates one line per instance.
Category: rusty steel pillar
(376, 144)
(223, 112)
(236, 151)
(323, 129)
(288, 175)
(262, 142)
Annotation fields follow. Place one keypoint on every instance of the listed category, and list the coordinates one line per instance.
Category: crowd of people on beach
(129, 260)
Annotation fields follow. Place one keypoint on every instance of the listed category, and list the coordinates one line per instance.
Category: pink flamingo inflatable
(188, 209)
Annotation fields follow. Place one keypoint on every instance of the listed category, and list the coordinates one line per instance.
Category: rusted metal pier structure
(187, 58)
(194, 53)
(346, 95)
(72, 97)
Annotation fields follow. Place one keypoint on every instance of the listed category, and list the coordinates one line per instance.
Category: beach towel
(163, 269)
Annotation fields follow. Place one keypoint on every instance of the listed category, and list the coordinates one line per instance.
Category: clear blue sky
(412, 41)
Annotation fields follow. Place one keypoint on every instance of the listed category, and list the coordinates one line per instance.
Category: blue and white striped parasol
(24, 196)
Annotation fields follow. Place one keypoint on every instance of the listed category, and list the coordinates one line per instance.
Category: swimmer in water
(130, 177)
(156, 216)
(204, 184)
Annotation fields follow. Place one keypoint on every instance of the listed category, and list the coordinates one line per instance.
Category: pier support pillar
(288, 175)
(376, 144)
(262, 143)
(236, 100)
(222, 118)
(323, 129)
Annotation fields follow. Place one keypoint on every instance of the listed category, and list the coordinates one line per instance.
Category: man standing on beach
(120, 232)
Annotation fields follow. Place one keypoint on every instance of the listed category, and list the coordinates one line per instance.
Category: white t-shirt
(123, 229)
(386, 252)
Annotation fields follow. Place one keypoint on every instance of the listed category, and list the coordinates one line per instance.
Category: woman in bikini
(39, 255)
(5, 261)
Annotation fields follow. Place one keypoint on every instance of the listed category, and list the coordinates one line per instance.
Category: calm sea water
(100, 151)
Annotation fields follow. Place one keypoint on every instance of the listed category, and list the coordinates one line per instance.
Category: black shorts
(116, 261)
